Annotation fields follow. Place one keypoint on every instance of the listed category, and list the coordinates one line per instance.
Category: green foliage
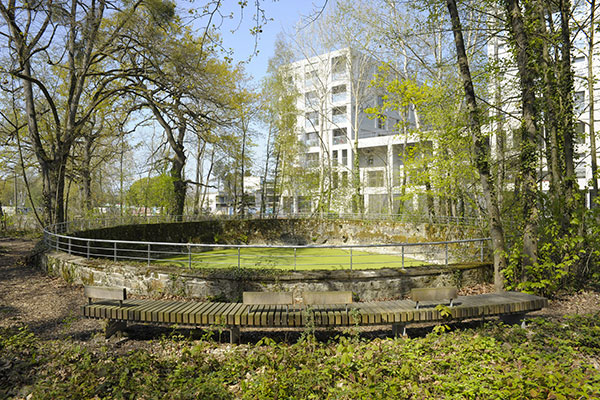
(568, 256)
(549, 360)
(151, 192)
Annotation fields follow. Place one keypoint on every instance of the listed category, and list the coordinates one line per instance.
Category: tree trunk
(481, 147)
(529, 133)
(591, 102)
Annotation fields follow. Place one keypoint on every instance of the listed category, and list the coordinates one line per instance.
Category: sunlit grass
(283, 258)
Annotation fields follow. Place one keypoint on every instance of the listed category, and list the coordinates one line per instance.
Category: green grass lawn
(283, 258)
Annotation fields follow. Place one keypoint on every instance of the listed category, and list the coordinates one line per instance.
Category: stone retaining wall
(228, 284)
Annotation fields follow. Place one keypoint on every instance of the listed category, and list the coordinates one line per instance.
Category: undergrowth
(549, 359)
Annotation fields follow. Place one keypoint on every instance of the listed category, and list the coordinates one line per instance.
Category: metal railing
(289, 257)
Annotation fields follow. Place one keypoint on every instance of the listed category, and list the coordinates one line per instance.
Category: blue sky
(285, 14)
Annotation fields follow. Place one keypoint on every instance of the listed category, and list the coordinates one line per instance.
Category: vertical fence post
(87, 250)
(69, 246)
(350, 258)
(481, 250)
(402, 256)
(115, 255)
(446, 254)
(239, 261)
(57, 243)
(294, 258)
(189, 256)
(148, 254)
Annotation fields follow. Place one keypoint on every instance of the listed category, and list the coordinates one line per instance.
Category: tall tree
(76, 39)
(481, 148)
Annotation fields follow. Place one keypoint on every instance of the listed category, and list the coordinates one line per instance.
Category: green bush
(548, 360)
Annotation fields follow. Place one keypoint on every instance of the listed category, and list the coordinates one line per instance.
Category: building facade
(505, 92)
(344, 145)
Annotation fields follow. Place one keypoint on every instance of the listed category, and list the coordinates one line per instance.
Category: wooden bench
(107, 293)
(434, 294)
(115, 308)
(327, 298)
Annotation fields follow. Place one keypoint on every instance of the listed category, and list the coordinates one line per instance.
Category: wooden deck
(372, 313)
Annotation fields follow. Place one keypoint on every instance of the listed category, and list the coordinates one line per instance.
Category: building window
(334, 157)
(335, 178)
(311, 139)
(310, 99)
(344, 157)
(380, 121)
(375, 178)
(338, 93)
(340, 136)
(379, 101)
(370, 161)
(312, 159)
(579, 132)
(338, 115)
(310, 76)
(338, 67)
(312, 119)
(579, 101)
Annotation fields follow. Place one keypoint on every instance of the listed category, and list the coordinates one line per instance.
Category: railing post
(239, 261)
(189, 256)
(87, 250)
(148, 254)
(446, 254)
(402, 256)
(294, 259)
(481, 250)
(115, 252)
(350, 258)
(69, 248)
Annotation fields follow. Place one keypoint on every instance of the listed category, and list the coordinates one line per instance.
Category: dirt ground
(50, 307)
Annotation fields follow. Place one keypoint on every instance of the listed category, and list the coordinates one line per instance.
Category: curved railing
(290, 257)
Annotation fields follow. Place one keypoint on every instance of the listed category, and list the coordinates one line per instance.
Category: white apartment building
(507, 90)
(334, 92)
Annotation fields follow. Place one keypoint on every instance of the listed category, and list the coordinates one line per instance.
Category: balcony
(340, 140)
(339, 119)
(339, 97)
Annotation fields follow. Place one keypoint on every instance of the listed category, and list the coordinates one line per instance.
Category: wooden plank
(237, 314)
(254, 298)
(135, 313)
(206, 312)
(164, 315)
(254, 315)
(183, 317)
(329, 297)
(224, 314)
(264, 313)
(176, 315)
(188, 315)
(214, 312)
(127, 307)
(434, 293)
(271, 315)
(158, 307)
(234, 314)
(158, 314)
(145, 313)
(105, 292)
(199, 312)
